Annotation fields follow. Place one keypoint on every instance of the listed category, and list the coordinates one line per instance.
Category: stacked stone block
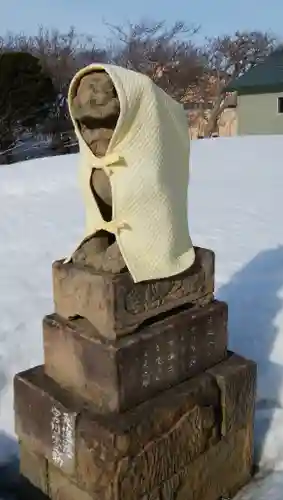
(138, 397)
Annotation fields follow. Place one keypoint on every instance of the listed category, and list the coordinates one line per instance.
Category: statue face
(96, 99)
(96, 107)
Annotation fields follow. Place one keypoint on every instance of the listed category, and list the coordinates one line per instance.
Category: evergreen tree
(27, 95)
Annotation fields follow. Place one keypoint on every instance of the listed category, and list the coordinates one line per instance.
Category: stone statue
(134, 166)
(96, 109)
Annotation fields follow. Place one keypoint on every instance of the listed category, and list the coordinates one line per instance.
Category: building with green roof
(260, 97)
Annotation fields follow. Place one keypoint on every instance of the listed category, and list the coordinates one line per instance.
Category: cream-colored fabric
(147, 162)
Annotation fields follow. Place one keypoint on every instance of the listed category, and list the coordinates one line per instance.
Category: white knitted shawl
(147, 162)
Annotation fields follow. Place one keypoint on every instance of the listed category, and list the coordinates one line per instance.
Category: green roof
(266, 76)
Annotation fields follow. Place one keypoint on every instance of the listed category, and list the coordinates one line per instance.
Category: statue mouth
(93, 121)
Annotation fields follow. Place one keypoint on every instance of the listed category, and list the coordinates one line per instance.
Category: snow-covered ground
(236, 208)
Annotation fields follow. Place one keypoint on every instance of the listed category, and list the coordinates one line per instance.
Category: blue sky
(88, 16)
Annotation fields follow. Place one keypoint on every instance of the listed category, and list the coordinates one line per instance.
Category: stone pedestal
(136, 406)
(117, 306)
(118, 375)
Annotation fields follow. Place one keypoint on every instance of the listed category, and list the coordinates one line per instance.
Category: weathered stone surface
(168, 445)
(34, 468)
(116, 305)
(153, 496)
(236, 378)
(62, 488)
(192, 434)
(45, 477)
(180, 422)
(218, 473)
(165, 353)
(163, 456)
(45, 420)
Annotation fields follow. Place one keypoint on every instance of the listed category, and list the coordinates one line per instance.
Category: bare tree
(62, 55)
(227, 58)
(168, 56)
